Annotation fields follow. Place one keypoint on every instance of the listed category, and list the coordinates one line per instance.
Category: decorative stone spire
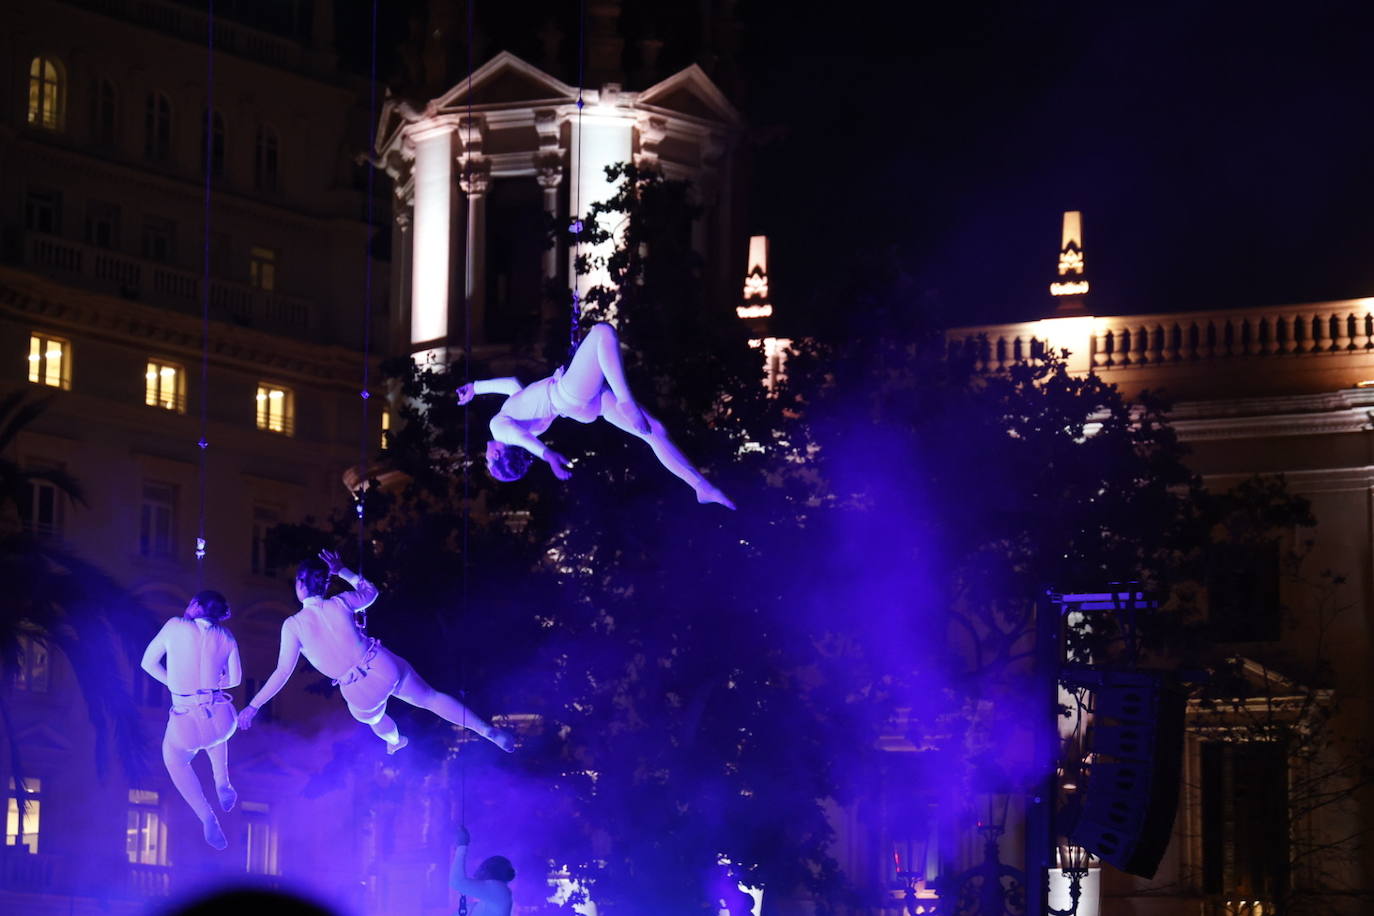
(1072, 283)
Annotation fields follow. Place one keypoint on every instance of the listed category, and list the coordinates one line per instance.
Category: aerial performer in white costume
(490, 884)
(202, 661)
(366, 672)
(592, 386)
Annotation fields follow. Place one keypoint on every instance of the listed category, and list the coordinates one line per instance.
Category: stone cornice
(1346, 411)
(28, 298)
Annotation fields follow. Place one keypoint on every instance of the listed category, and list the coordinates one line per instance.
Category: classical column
(432, 238)
(400, 279)
(475, 181)
(550, 177)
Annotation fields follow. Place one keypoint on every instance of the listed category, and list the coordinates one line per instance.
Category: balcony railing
(162, 285)
(1324, 329)
(24, 871)
(149, 881)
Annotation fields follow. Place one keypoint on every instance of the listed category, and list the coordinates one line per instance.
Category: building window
(102, 225)
(159, 240)
(145, 834)
(1245, 819)
(262, 268)
(21, 829)
(276, 409)
(386, 429)
(265, 163)
(157, 521)
(46, 90)
(261, 837)
(213, 157)
(165, 386)
(265, 518)
(43, 211)
(50, 361)
(1243, 592)
(104, 113)
(157, 127)
(44, 508)
(34, 673)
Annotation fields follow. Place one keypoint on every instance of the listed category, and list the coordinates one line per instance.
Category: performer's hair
(511, 463)
(214, 604)
(315, 575)
(496, 868)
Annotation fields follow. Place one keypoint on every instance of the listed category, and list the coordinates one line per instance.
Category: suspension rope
(365, 395)
(576, 226)
(203, 443)
(467, 459)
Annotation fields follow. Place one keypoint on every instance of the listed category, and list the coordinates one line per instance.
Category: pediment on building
(691, 92)
(505, 80)
(1245, 691)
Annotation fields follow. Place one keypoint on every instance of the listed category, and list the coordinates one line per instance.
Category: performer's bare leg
(597, 361)
(219, 765)
(416, 691)
(668, 454)
(178, 761)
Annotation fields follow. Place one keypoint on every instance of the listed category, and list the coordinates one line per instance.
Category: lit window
(104, 112)
(165, 386)
(265, 518)
(157, 521)
(214, 161)
(145, 834)
(23, 830)
(265, 160)
(157, 127)
(386, 429)
(34, 673)
(261, 837)
(43, 211)
(262, 268)
(45, 93)
(276, 409)
(50, 361)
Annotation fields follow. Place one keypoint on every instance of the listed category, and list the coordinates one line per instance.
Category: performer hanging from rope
(593, 386)
(202, 660)
(366, 672)
(490, 883)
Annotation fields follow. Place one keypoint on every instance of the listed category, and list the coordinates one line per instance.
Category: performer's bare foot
(502, 739)
(401, 742)
(213, 834)
(227, 796)
(710, 493)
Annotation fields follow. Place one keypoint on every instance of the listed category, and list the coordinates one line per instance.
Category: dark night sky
(1218, 150)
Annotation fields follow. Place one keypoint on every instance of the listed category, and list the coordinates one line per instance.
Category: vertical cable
(576, 226)
(365, 395)
(203, 443)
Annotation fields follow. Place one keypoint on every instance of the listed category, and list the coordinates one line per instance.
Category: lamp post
(990, 888)
(1073, 863)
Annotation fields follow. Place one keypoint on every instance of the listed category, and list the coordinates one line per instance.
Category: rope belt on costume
(203, 699)
(359, 671)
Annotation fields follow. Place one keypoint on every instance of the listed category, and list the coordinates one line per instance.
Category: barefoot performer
(366, 672)
(593, 386)
(202, 660)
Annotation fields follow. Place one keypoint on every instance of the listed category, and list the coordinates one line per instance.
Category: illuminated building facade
(479, 169)
(1267, 390)
(104, 148)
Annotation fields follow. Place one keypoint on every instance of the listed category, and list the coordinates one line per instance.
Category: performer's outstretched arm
(504, 429)
(287, 656)
(507, 385)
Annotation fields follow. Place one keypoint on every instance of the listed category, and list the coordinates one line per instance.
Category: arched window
(157, 127)
(214, 161)
(104, 112)
(265, 160)
(47, 91)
